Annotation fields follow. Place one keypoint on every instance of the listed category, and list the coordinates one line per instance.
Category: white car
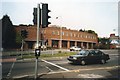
(75, 48)
(118, 46)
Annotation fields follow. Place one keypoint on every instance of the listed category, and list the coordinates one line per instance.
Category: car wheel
(103, 61)
(83, 62)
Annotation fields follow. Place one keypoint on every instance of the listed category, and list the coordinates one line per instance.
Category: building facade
(114, 41)
(57, 37)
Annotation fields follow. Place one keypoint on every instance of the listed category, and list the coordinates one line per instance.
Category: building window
(74, 35)
(81, 36)
(63, 33)
(91, 37)
(66, 34)
(53, 32)
(71, 34)
(57, 32)
(86, 36)
(94, 37)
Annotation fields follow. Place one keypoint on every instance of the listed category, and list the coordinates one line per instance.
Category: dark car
(89, 56)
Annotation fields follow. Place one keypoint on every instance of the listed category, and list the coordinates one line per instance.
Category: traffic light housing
(24, 33)
(45, 16)
(35, 16)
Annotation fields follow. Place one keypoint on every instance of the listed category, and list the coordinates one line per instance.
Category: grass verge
(60, 54)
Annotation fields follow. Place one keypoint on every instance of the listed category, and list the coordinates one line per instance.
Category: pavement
(77, 75)
(8, 60)
(83, 74)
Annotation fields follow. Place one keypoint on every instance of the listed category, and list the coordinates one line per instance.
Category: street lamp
(60, 31)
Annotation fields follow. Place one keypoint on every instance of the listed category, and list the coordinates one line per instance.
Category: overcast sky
(98, 15)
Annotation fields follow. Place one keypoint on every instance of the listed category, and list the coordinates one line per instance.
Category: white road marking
(55, 65)
(90, 76)
(21, 76)
(49, 69)
(11, 69)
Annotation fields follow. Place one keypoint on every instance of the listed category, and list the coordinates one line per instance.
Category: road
(55, 66)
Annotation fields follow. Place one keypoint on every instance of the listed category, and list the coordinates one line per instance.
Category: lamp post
(60, 32)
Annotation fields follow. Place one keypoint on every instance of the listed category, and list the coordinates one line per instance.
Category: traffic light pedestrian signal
(45, 15)
(37, 52)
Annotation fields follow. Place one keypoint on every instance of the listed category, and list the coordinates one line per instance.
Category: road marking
(90, 76)
(21, 76)
(78, 70)
(55, 65)
(106, 68)
(8, 75)
(49, 69)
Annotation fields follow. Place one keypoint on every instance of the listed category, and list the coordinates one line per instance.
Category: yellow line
(78, 70)
(106, 68)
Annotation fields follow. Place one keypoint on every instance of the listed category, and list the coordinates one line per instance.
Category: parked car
(118, 46)
(89, 56)
(43, 47)
(75, 48)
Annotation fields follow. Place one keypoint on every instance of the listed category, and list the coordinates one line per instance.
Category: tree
(91, 31)
(81, 30)
(8, 33)
(104, 43)
(18, 38)
(88, 31)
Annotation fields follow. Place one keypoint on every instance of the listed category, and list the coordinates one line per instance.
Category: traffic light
(24, 33)
(35, 16)
(45, 16)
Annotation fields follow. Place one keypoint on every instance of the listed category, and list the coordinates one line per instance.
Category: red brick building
(60, 37)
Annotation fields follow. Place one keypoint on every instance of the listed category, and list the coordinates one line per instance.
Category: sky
(98, 15)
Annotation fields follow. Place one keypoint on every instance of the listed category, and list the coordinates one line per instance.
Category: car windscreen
(83, 52)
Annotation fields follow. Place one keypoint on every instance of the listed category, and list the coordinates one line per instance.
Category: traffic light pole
(38, 26)
(42, 22)
(22, 48)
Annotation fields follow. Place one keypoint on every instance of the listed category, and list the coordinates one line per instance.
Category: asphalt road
(22, 68)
